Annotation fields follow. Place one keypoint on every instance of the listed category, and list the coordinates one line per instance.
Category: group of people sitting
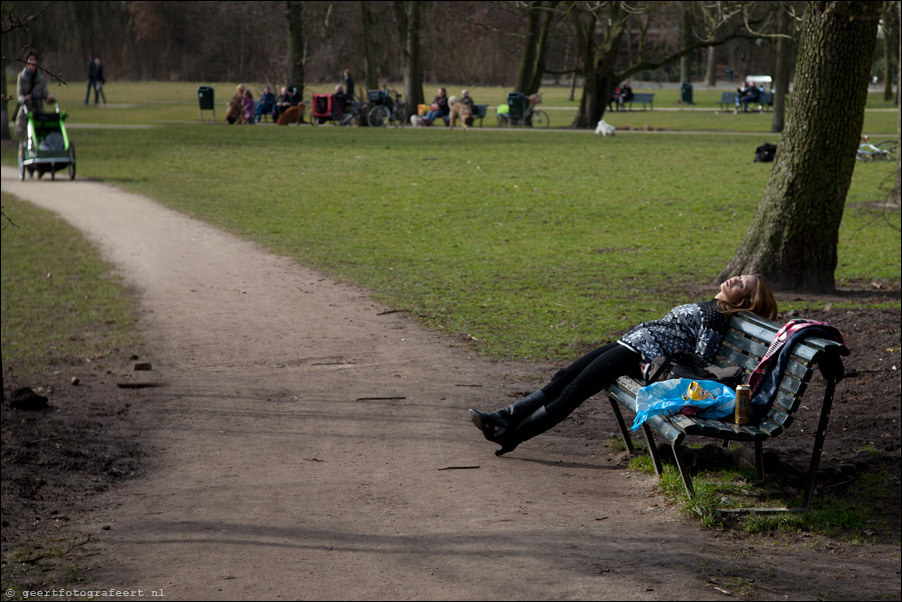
(448, 110)
(243, 109)
(622, 95)
(747, 93)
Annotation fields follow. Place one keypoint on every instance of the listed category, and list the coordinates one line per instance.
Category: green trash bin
(205, 98)
(517, 103)
(686, 93)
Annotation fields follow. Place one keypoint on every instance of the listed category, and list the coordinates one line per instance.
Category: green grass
(60, 304)
(856, 515)
(535, 244)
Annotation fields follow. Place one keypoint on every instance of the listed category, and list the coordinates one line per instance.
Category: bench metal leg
(684, 471)
(623, 432)
(652, 449)
(819, 443)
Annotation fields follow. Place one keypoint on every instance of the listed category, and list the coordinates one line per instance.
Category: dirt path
(301, 433)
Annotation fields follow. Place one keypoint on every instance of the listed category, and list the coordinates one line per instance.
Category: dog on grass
(293, 114)
(459, 110)
(234, 113)
(605, 129)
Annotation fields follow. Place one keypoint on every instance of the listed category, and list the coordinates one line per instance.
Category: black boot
(495, 424)
(537, 423)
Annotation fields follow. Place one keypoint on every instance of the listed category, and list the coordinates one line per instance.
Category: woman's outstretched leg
(496, 424)
(614, 360)
(500, 422)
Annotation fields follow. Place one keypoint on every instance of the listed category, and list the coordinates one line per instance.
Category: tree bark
(295, 14)
(4, 111)
(793, 237)
(685, 39)
(370, 66)
(711, 69)
(408, 15)
(528, 60)
(781, 73)
(890, 47)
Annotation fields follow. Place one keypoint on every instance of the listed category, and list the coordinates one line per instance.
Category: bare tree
(600, 28)
(539, 17)
(371, 69)
(793, 238)
(294, 13)
(408, 15)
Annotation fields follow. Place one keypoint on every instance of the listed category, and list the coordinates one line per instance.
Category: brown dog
(293, 114)
(234, 112)
(459, 110)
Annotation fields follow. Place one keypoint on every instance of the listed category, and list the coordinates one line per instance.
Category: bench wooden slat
(749, 346)
(745, 362)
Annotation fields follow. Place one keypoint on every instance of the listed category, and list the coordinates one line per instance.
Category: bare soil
(295, 439)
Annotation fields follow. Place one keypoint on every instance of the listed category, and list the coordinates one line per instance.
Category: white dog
(605, 129)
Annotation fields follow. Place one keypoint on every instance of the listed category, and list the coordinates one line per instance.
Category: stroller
(327, 107)
(47, 146)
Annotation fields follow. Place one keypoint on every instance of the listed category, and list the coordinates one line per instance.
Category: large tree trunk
(890, 48)
(781, 73)
(711, 69)
(598, 67)
(539, 71)
(528, 60)
(408, 15)
(685, 39)
(4, 110)
(532, 63)
(369, 50)
(295, 13)
(792, 239)
(897, 189)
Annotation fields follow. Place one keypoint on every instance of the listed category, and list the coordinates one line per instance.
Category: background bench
(727, 101)
(645, 99)
(479, 112)
(745, 344)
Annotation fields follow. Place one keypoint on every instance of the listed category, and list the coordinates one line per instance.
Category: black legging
(587, 376)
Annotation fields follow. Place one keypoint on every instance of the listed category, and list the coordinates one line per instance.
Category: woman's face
(737, 288)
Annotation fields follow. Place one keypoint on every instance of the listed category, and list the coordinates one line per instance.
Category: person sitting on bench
(697, 327)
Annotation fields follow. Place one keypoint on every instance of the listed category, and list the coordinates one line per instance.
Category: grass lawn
(60, 303)
(535, 244)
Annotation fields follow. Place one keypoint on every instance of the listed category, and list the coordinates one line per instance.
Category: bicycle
(882, 151)
(533, 117)
(389, 110)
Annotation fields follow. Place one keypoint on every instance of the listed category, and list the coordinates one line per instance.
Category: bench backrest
(728, 97)
(747, 341)
(644, 97)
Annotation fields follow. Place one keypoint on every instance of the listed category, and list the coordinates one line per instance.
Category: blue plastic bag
(668, 397)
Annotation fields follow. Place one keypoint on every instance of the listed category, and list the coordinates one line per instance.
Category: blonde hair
(760, 301)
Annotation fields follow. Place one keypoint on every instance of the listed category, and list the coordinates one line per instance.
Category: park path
(312, 444)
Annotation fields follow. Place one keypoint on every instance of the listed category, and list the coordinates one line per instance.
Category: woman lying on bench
(696, 327)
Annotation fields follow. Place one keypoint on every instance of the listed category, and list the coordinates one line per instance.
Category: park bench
(645, 99)
(479, 113)
(728, 101)
(744, 345)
